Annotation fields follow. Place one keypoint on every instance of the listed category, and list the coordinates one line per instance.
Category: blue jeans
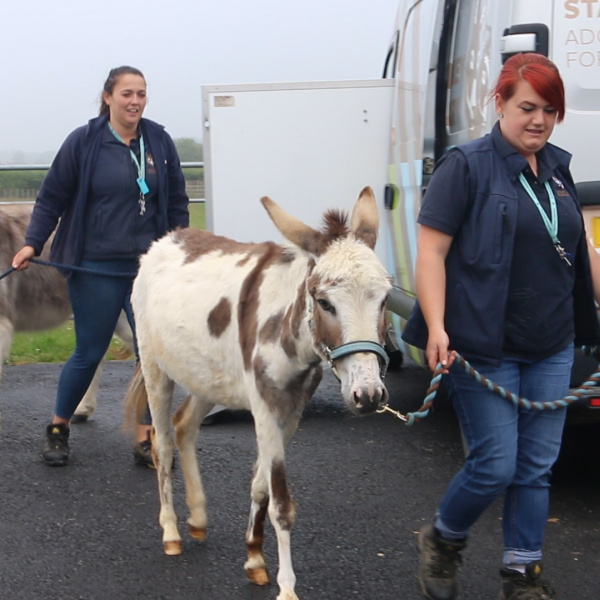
(511, 450)
(97, 301)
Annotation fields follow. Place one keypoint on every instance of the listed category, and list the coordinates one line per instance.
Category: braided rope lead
(592, 382)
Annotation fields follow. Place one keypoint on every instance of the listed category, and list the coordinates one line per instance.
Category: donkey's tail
(136, 400)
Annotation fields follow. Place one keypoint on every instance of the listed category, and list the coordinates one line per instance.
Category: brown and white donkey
(248, 326)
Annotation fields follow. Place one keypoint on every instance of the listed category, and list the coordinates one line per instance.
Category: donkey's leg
(256, 565)
(87, 406)
(187, 421)
(160, 395)
(6, 339)
(124, 333)
(272, 438)
(282, 514)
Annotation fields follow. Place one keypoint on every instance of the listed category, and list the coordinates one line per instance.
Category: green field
(57, 344)
(197, 215)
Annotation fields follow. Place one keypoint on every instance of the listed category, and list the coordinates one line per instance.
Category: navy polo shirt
(539, 316)
(114, 227)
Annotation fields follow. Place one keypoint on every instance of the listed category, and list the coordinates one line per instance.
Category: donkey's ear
(365, 218)
(293, 229)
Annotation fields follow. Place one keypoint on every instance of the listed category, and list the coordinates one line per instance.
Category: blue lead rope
(6, 273)
(45, 263)
(37, 261)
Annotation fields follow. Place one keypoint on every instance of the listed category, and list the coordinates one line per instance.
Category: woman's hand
(437, 351)
(21, 259)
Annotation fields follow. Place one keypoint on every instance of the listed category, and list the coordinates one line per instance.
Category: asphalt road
(363, 487)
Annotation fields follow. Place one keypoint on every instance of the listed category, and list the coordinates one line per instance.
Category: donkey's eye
(326, 306)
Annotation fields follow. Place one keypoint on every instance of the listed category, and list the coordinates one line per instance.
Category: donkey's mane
(335, 223)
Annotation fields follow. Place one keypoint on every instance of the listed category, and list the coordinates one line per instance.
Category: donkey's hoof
(197, 533)
(172, 548)
(258, 575)
(287, 595)
(76, 419)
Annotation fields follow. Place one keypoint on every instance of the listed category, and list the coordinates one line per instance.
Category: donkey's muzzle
(367, 401)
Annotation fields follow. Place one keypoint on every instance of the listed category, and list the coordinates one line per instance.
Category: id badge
(143, 185)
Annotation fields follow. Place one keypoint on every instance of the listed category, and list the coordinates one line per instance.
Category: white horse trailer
(312, 144)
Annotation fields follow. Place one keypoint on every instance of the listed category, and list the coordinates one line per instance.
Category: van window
(469, 80)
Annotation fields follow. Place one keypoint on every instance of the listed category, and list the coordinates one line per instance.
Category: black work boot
(55, 449)
(516, 586)
(142, 453)
(438, 560)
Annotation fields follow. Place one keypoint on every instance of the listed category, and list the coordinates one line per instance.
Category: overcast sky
(56, 55)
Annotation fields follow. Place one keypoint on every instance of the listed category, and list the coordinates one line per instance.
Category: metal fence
(194, 187)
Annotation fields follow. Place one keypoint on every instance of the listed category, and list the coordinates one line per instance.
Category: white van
(314, 145)
(445, 59)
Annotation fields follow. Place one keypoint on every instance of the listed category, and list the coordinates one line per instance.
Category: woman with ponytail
(115, 185)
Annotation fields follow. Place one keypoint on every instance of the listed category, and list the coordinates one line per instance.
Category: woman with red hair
(504, 277)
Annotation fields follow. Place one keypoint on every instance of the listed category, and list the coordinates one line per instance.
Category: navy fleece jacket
(64, 193)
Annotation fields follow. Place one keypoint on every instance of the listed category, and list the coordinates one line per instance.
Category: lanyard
(550, 223)
(141, 168)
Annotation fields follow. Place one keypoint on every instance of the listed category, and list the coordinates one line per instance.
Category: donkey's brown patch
(219, 317)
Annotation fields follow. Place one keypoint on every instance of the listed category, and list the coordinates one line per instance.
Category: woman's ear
(499, 105)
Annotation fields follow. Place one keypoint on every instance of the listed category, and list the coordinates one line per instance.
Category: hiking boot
(516, 586)
(438, 560)
(142, 453)
(55, 449)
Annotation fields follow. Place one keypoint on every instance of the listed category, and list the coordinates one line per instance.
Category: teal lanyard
(550, 223)
(141, 165)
